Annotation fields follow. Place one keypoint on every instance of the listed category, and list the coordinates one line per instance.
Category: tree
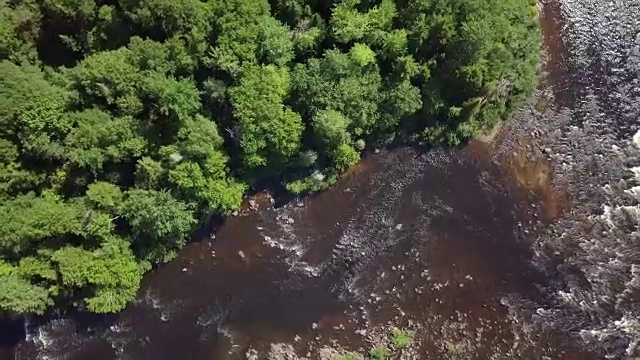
(149, 173)
(331, 127)
(178, 98)
(307, 37)
(362, 55)
(111, 270)
(401, 102)
(19, 27)
(344, 156)
(159, 222)
(18, 296)
(164, 19)
(97, 139)
(168, 58)
(349, 24)
(13, 177)
(237, 27)
(482, 44)
(31, 110)
(275, 44)
(199, 138)
(108, 79)
(83, 9)
(36, 268)
(340, 83)
(104, 195)
(270, 132)
(208, 185)
(30, 220)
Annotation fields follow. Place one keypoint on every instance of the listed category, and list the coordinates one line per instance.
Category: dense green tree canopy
(125, 124)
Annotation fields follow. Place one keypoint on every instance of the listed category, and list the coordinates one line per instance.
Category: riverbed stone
(282, 352)
(251, 354)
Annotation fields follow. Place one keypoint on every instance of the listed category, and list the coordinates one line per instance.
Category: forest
(125, 125)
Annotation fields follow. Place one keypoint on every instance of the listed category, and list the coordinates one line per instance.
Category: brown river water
(462, 247)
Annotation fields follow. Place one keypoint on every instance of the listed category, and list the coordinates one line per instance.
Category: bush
(379, 353)
(400, 338)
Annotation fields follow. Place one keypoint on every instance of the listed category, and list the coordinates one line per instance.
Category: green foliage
(208, 184)
(379, 353)
(171, 57)
(162, 19)
(362, 55)
(269, 132)
(149, 173)
(198, 138)
(111, 271)
(238, 26)
(400, 338)
(39, 267)
(275, 44)
(158, 221)
(176, 100)
(108, 79)
(18, 296)
(349, 24)
(126, 124)
(31, 110)
(307, 40)
(337, 82)
(19, 27)
(104, 195)
(98, 139)
(344, 156)
(317, 181)
(30, 220)
(488, 52)
(71, 8)
(5, 269)
(331, 127)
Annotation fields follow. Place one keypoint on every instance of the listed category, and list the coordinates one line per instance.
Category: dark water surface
(439, 237)
(457, 246)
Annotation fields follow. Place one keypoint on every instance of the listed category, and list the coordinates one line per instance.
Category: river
(522, 246)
